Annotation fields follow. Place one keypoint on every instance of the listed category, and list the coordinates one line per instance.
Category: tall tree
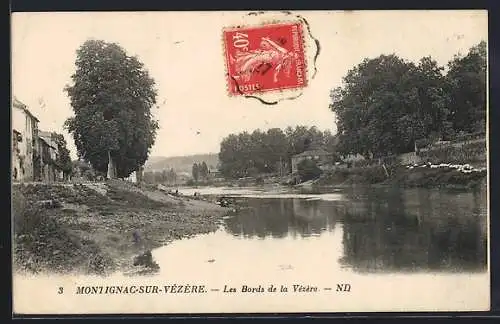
(467, 87)
(196, 171)
(112, 96)
(63, 161)
(172, 176)
(424, 105)
(203, 170)
(164, 176)
(387, 103)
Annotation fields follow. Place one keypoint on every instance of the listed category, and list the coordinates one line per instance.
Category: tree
(203, 170)
(112, 96)
(164, 176)
(172, 176)
(387, 103)
(196, 172)
(375, 94)
(149, 177)
(158, 177)
(467, 87)
(63, 161)
(260, 152)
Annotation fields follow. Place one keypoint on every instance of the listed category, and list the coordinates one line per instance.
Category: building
(322, 158)
(49, 153)
(25, 143)
(214, 173)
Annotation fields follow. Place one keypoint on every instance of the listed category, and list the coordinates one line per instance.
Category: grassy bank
(420, 176)
(99, 228)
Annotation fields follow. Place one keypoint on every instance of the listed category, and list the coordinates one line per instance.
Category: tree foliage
(203, 170)
(386, 103)
(163, 177)
(195, 171)
(63, 161)
(84, 169)
(467, 90)
(112, 96)
(249, 154)
(308, 170)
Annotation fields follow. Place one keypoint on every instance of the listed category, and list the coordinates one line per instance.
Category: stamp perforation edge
(270, 22)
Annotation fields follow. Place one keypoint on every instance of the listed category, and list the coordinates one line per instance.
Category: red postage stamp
(265, 58)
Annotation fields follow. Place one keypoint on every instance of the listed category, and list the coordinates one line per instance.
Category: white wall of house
(26, 125)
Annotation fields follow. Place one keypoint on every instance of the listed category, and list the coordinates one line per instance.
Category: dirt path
(99, 228)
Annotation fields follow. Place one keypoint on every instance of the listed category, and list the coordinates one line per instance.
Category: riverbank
(98, 228)
(415, 176)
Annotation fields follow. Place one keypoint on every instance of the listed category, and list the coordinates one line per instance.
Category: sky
(183, 52)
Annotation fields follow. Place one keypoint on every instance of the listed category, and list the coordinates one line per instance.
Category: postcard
(250, 162)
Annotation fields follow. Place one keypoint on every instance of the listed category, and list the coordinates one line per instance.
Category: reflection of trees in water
(416, 230)
(281, 217)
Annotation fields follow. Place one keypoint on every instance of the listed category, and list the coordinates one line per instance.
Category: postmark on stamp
(265, 58)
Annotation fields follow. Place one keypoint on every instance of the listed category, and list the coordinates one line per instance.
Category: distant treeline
(249, 154)
(163, 177)
(387, 104)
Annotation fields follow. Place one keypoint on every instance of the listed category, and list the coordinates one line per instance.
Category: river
(347, 250)
(419, 243)
(365, 230)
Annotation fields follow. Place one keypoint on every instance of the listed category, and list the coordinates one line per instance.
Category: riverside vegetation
(386, 106)
(99, 228)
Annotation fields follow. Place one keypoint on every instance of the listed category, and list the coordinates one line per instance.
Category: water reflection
(416, 230)
(382, 230)
(279, 218)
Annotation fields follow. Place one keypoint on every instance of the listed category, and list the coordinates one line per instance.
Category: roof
(312, 153)
(18, 104)
(47, 140)
(44, 134)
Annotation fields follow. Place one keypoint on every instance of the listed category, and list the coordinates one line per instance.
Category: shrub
(308, 170)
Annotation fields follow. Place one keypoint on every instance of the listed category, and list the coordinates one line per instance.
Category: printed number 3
(61, 290)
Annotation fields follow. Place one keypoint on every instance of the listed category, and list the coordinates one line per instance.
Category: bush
(308, 170)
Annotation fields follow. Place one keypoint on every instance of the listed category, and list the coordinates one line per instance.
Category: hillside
(181, 163)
